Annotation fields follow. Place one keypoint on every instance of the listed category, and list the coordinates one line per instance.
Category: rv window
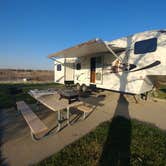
(59, 67)
(145, 46)
(98, 62)
(78, 66)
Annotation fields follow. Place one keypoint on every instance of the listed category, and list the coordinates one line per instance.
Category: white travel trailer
(130, 64)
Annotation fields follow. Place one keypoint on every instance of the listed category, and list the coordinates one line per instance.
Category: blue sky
(32, 29)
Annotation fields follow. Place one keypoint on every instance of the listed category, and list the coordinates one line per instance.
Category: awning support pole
(111, 51)
(57, 61)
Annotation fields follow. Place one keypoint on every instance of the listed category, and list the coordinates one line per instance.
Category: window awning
(91, 47)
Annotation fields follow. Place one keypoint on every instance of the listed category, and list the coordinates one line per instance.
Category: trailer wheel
(84, 88)
(78, 87)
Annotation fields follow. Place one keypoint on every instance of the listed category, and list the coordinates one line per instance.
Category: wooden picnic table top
(54, 102)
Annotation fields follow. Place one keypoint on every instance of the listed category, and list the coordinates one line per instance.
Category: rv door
(96, 70)
(69, 71)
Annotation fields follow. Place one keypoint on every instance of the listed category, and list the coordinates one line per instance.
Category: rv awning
(91, 47)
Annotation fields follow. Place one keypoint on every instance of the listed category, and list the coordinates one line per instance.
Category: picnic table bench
(86, 108)
(37, 127)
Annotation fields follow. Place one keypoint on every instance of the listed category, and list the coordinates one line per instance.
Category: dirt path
(18, 149)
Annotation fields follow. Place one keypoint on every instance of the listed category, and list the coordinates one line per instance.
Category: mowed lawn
(161, 92)
(10, 93)
(119, 142)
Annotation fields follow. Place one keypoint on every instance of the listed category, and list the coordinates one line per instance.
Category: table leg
(84, 115)
(59, 119)
(37, 105)
(68, 115)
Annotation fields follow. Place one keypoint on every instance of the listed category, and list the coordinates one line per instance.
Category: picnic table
(57, 102)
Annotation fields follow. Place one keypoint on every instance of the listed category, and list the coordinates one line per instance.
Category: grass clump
(160, 92)
(119, 142)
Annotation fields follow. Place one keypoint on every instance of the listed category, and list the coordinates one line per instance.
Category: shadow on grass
(116, 150)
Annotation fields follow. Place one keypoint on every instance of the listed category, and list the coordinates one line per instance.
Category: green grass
(161, 92)
(10, 93)
(119, 142)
